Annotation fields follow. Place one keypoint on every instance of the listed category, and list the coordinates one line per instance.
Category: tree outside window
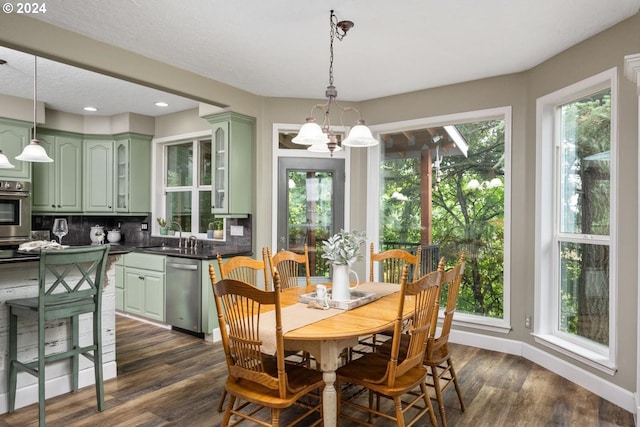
(465, 201)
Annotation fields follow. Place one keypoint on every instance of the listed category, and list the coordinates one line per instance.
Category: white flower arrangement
(343, 248)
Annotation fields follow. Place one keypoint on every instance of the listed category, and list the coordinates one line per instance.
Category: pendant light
(4, 161)
(34, 152)
(320, 138)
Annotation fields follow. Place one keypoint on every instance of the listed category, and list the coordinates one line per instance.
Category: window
(185, 196)
(443, 184)
(575, 286)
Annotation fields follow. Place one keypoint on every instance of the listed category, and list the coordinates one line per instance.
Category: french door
(310, 206)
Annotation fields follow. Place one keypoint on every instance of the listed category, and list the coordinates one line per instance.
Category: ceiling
(280, 48)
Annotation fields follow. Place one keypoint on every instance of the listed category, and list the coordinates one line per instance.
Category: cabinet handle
(53, 206)
(59, 206)
(109, 207)
(141, 277)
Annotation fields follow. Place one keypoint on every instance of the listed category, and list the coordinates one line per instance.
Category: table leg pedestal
(329, 399)
(327, 354)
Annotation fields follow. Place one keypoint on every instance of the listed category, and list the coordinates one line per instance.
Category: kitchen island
(19, 279)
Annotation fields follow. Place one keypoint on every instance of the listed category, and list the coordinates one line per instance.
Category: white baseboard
(622, 397)
(28, 394)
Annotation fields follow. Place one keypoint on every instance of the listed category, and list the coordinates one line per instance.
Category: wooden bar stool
(70, 283)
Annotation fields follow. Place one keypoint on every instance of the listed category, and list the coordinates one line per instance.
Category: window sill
(480, 322)
(588, 357)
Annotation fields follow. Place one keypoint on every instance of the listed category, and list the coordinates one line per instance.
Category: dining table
(326, 333)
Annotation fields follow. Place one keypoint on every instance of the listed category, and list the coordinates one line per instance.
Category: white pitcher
(340, 286)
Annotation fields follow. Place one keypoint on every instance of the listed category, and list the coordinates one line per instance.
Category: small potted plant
(163, 225)
(215, 230)
(218, 233)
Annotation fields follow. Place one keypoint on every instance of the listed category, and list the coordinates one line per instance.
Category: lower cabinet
(143, 279)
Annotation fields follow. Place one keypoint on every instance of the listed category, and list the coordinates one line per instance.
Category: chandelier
(321, 138)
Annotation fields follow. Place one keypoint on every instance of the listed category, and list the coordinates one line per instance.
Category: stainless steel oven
(15, 212)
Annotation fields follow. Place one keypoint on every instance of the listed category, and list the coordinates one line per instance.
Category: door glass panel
(123, 175)
(220, 164)
(311, 200)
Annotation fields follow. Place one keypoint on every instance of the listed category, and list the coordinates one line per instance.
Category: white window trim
(158, 175)
(545, 296)
(373, 190)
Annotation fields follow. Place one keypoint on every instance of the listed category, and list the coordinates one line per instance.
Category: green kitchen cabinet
(14, 136)
(57, 186)
(144, 285)
(132, 185)
(98, 175)
(118, 174)
(232, 136)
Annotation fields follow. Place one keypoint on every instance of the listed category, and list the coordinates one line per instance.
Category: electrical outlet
(237, 230)
(144, 226)
(527, 321)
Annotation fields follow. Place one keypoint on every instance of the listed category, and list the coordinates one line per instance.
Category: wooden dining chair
(437, 355)
(391, 262)
(70, 283)
(388, 375)
(291, 267)
(245, 269)
(256, 378)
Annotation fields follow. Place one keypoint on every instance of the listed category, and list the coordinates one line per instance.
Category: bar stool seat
(70, 283)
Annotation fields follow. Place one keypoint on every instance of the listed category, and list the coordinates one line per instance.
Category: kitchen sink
(164, 249)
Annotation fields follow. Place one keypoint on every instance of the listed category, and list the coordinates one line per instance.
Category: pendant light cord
(35, 95)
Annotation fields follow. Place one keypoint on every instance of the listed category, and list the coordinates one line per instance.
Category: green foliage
(343, 248)
(470, 220)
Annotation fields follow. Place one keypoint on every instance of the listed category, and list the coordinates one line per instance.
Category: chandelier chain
(332, 34)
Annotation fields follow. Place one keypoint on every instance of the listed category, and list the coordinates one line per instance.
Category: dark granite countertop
(13, 256)
(202, 254)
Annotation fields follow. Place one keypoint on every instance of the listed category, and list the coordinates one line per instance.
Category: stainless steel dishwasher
(184, 296)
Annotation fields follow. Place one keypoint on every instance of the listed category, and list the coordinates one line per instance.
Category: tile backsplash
(132, 234)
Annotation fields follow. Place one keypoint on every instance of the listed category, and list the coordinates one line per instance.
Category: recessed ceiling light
(92, 109)
(161, 104)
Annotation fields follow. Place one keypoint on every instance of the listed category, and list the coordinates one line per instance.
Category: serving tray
(357, 299)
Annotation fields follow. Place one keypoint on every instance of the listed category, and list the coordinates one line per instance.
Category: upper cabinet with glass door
(232, 177)
(117, 174)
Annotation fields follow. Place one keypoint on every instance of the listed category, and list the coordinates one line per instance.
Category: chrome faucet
(193, 242)
(180, 234)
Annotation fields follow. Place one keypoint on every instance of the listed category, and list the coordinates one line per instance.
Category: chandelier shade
(34, 152)
(330, 147)
(360, 136)
(320, 138)
(310, 134)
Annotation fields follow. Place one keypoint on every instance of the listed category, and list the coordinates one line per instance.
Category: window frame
(546, 294)
(159, 175)
(467, 320)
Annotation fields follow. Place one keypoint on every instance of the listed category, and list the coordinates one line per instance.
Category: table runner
(298, 315)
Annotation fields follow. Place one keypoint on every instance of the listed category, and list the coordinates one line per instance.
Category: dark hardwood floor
(167, 378)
